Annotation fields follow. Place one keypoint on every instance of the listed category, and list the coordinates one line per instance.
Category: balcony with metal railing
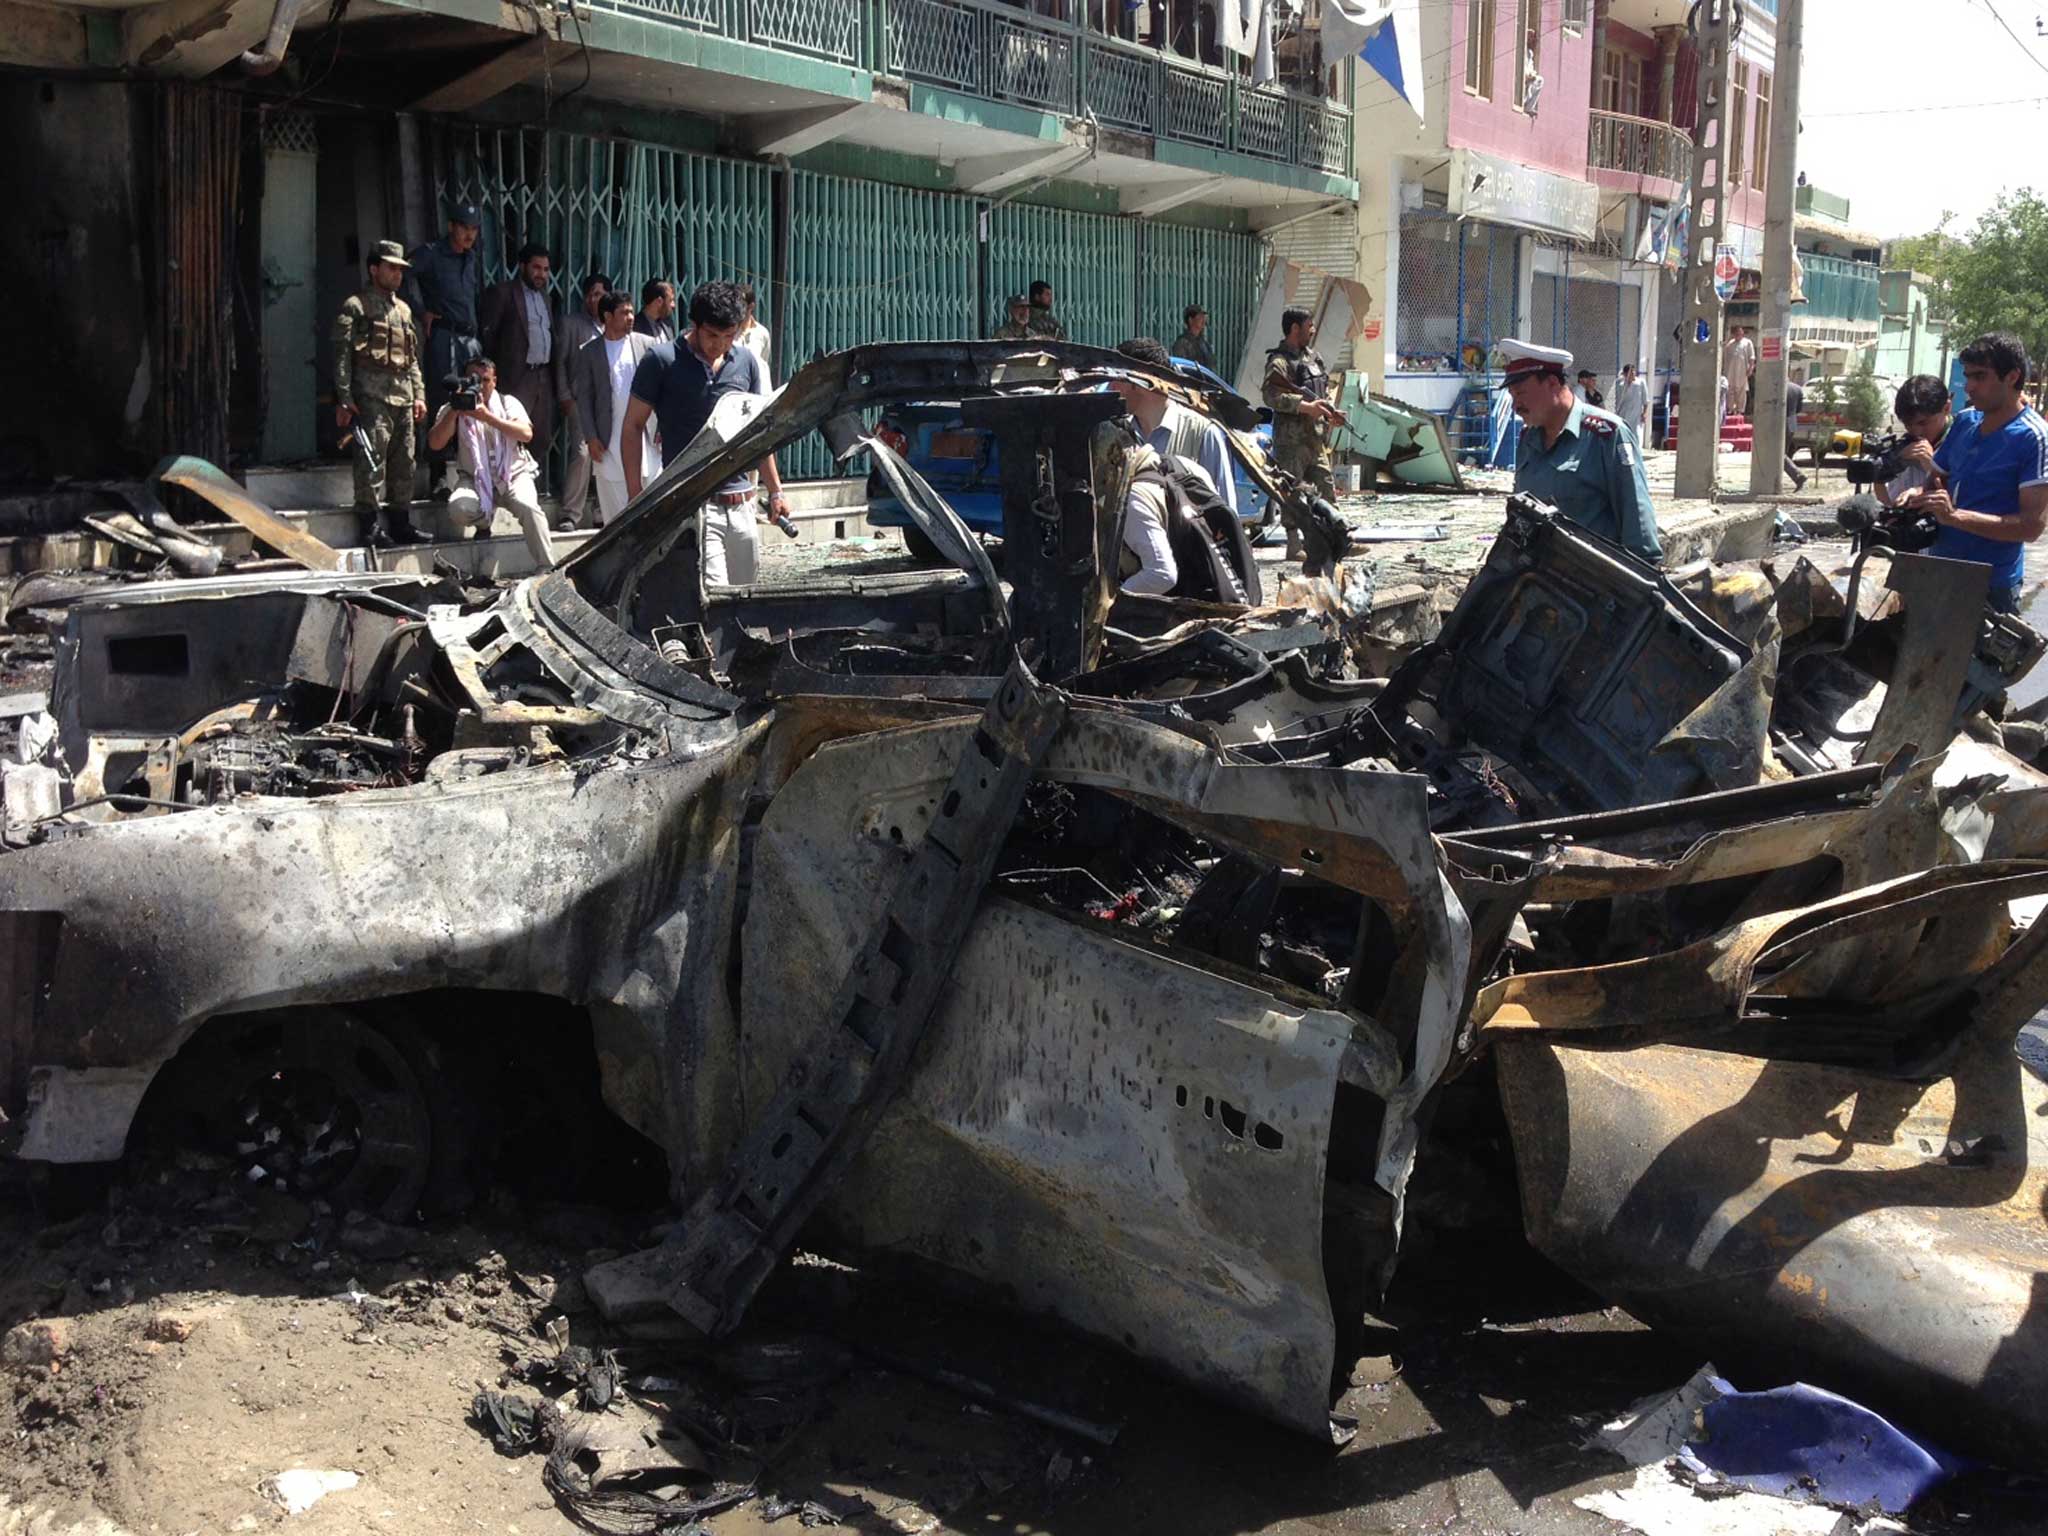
(1638, 154)
(1838, 291)
(1004, 53)
(835, 31)
(1010, 54)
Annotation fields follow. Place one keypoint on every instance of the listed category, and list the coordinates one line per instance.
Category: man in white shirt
(493, 467)
(1168, 429)
(601, 379)
(755, 338)
(1632, 402)
(1738, 366)
(1146, 510)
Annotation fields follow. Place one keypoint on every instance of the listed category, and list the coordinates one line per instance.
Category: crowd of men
(494, 373)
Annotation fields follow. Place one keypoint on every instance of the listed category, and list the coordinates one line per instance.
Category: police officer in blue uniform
(1581, 459)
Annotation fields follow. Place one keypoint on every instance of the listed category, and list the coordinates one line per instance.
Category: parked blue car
(959, 462)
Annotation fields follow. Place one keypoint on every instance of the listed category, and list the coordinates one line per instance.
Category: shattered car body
(1103, 953)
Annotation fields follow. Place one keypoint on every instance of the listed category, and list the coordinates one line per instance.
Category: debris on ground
(299, 1489)
(1658, 1504)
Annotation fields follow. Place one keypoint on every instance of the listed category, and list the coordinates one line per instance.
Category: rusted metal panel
(1071, 1079)
(737, 1230)
(1888, 1236)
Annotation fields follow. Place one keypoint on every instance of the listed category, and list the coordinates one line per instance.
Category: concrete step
(824, 510)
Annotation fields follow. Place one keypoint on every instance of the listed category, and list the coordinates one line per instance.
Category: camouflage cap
(1016, 301)
(388, 250)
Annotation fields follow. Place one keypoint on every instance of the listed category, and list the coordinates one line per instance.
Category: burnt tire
(314, 1101)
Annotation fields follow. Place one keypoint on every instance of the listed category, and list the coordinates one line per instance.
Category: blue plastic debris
(1803, 1443)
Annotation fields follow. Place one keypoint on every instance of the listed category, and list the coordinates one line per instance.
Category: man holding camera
(1995, 460)
(493, 467)
(679, 386)
(443, 289)
(1923, 408)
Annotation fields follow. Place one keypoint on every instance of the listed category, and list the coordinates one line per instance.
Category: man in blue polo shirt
(1995, 462)
(679, 384)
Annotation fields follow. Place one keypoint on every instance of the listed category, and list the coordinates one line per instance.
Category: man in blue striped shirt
(1995, 464)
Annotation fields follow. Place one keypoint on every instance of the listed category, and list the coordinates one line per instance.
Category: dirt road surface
(208, 1337)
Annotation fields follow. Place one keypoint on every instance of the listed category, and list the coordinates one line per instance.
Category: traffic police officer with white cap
(1581, 459)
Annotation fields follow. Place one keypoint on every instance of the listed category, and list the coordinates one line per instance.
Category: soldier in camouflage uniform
(1297, 387)
(377, 383)
(1018, 326)
(1043, 322)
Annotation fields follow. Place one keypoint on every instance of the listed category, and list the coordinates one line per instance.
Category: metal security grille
(1217, 269)
(1594, 335)
(1597, 320)
(1090, 259)
(1459, 280)
(631, 211)
(1427, 319)
(1327, 244)
(291, 133)
(870, 262)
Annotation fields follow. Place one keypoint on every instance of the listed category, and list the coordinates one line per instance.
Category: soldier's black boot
(373, 536)
(399, 529)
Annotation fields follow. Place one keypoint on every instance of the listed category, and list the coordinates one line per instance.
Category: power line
(1948, 106)
(2032, 57)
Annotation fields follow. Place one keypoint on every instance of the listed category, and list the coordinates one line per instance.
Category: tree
(1998, 277)
(1932, 255)
(1863, 402)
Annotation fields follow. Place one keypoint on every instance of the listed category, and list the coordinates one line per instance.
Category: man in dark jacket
(521, 331)
(444, 287)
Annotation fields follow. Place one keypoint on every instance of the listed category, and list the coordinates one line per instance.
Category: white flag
(1349, 24)
(1233, 29)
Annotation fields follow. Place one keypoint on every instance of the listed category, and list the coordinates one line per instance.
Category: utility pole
(1699, 376)
(1774, 346)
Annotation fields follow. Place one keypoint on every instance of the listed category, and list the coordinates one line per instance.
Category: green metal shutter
(632, 211)
(1221, 270)
(1090, 259)
(871, 262)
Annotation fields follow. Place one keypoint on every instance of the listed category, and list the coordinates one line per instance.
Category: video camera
(1882, 461)
(464, 393)
(1872, 524)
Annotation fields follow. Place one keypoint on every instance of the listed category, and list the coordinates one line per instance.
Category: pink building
(1527, 201)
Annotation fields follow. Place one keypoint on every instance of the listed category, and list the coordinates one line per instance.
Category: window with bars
(1760, 150)
(1479, 24)
(1575, 15)
(1612, 62)
(1529, 47)
(1738, 127)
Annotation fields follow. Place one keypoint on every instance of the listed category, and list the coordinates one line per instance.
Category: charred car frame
(1106, 952)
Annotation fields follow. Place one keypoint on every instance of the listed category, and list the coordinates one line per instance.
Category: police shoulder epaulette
(1599, 424)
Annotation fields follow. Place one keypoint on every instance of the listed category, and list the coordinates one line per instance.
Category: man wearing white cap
(1582, 460)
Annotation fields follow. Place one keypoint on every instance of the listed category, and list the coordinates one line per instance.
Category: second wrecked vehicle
(1103, 951)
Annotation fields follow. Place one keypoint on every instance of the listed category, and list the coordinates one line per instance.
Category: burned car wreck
(1106, 953)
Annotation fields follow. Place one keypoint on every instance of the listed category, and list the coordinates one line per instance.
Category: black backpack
(1208, 541)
